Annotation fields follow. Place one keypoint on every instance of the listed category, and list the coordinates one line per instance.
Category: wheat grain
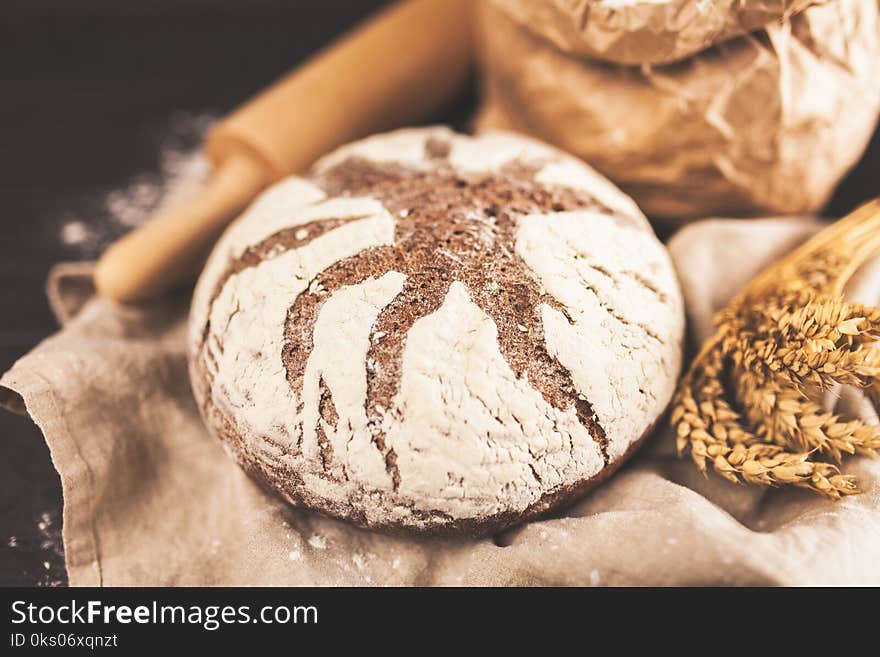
(792, 418)
(749, 404)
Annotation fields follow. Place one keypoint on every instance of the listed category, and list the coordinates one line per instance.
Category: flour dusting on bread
(435, 332)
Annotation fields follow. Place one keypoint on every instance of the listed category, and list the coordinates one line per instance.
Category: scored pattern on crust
(449, 229)
(452, 230)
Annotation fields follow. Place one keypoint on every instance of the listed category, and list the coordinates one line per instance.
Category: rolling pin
(398, 68)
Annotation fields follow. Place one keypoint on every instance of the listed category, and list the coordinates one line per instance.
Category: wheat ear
(748, 404)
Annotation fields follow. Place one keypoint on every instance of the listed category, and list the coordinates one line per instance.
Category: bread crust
(320, 405)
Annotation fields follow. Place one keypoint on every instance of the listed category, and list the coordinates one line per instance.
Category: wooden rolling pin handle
(171, 247)
(394, 70)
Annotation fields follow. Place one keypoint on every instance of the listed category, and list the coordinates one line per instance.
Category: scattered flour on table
(182, 169)
(52, 546)
(75, 232)
(46, 539)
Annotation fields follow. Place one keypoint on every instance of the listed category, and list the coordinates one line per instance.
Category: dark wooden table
(87, 95)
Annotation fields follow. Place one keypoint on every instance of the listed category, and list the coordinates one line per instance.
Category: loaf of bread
(436, 333)
(766, 123)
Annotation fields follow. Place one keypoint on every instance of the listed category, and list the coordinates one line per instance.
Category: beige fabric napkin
(151, 499)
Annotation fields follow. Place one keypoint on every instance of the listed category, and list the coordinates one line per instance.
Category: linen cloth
(151, 499)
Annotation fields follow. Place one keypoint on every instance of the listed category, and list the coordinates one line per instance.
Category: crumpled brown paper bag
(767, 123)
(151, 499)
(637, 32)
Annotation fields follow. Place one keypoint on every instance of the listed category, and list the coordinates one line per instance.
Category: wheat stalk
(749, 403)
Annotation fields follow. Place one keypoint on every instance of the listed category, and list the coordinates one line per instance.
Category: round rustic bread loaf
(763, 124)
(645, 31)
(435, 332)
